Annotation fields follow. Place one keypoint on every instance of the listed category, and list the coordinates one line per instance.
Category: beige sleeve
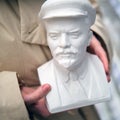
(12, 106)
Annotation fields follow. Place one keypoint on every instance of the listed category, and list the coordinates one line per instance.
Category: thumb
(35, 95)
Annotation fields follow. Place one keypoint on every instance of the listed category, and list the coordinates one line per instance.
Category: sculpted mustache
(65, 51)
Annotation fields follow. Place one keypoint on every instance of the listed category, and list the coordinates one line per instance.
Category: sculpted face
(68, 39)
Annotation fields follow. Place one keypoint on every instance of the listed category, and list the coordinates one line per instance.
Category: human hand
(96, 48)
(35, 98)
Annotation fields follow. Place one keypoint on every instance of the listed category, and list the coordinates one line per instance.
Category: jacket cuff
(12, 106)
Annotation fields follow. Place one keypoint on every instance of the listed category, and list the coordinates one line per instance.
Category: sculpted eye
(74, 35)
(54, 36)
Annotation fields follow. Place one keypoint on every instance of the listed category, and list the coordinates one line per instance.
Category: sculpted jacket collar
(79, 73)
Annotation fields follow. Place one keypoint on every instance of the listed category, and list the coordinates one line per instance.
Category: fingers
(35, 95)
(97, 49)
(35, 98)
(103, 57)
(41, 108)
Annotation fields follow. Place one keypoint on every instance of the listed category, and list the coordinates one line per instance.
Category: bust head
(67, 24)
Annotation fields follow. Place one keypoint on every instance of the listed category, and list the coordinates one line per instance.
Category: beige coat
(22, 49)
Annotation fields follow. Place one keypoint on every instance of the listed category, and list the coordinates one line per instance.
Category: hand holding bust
(77, 78)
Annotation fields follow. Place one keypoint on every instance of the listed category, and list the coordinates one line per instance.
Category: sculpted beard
(65, 57)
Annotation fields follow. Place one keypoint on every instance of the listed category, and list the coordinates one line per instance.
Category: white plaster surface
(77, 78)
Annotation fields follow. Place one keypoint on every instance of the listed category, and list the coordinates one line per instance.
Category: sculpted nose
(64, 41)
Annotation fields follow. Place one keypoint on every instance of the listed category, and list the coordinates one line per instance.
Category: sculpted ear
(90, 34)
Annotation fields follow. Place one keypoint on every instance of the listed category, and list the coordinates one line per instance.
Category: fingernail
(108, 73)
(109, 79)
(46, 87)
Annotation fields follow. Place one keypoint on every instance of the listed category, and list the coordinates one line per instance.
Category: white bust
(77, 78)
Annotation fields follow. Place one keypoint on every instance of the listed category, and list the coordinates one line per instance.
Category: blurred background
(111, 17)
